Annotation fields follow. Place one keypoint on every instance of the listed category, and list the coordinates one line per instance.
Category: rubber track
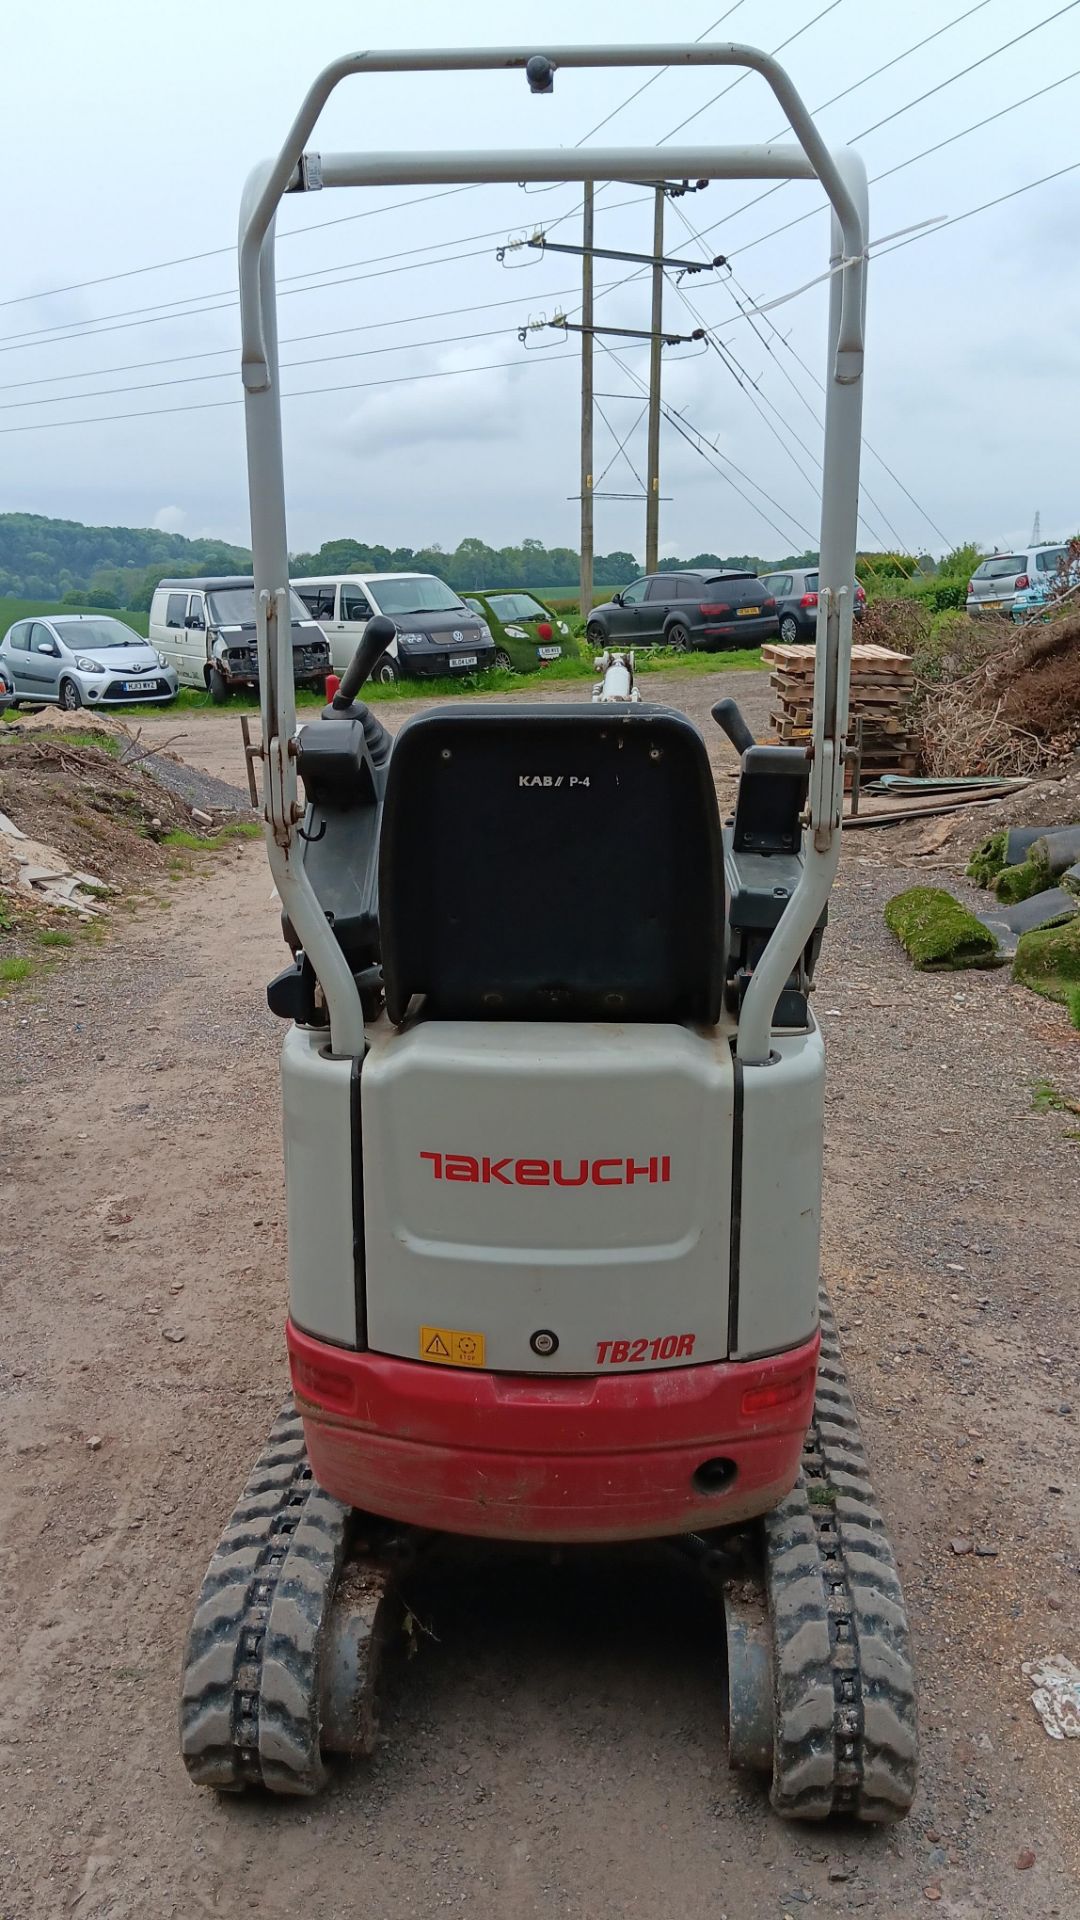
(846, 1739)
(249, 1704)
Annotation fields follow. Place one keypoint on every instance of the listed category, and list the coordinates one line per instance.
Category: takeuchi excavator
(553, 1119)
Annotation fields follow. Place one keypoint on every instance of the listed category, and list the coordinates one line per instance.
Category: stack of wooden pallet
(882, 684)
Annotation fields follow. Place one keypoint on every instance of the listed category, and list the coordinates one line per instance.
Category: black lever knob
(374, 641)
(726, 714)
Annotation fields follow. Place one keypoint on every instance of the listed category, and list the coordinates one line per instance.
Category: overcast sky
(129, 129)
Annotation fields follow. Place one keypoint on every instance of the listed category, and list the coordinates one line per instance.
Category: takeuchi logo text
(487, 1171)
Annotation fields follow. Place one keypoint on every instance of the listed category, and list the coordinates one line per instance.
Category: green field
(12, 610)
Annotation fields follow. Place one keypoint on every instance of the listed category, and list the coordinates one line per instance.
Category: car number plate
(549, 653)
(993, 605)
(463, 659)
(743, 611)
(140, 686)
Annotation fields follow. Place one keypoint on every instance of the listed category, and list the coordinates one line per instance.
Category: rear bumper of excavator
(568, 1458)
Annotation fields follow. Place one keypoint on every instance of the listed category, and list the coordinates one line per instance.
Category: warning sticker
(451, 1348)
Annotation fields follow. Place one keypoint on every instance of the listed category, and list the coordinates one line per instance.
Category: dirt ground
(556, 1748)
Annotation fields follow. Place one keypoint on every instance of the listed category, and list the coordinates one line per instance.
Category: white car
(84, 660)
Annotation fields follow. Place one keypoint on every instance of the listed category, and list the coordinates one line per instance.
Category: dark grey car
(687, 611)
(796, 594)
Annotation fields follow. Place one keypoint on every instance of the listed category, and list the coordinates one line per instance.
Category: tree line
(46, 559)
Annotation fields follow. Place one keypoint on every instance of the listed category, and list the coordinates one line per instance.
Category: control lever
(726, 714)
(374, 641)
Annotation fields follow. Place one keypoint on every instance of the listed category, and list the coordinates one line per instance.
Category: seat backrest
(552, 862)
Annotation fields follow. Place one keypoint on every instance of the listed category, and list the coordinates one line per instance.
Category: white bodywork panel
(780, 1234)
(317, 1103)
(634, 1253)
(527, 1177)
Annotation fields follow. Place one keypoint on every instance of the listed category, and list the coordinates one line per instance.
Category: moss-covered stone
(1019, 883)
(987, 861)
(1048, 961)
(937, 933)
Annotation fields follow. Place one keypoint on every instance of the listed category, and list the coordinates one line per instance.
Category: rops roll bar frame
(843, 177)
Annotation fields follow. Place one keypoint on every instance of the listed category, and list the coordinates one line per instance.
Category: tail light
(860, 592)
(808, 600)
(775, 1396)
(544, 629)
(1021, 581)
(971, 588)
(714, 612)
(769, 605)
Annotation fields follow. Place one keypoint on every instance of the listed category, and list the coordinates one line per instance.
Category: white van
(206, 630)
(437, 634)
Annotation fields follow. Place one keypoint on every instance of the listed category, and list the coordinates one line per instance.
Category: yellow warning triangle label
(438, 1347)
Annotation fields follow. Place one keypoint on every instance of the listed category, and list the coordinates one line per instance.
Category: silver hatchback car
(999, 578)
(84, 660)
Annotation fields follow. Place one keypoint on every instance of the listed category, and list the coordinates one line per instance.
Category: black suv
(688, 611)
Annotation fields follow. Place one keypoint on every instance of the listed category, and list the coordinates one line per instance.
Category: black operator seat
(562, 862)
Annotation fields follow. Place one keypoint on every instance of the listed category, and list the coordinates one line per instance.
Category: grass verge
(569, 672)
(199, 843)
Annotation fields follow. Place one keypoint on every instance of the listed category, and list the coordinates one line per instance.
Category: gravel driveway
(556, 1748)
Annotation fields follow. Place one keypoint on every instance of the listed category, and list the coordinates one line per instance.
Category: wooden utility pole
(652, 476)
(586, 580)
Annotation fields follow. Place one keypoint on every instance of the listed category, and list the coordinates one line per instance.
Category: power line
(874, 74)
(366, 213)
(290, 340)
(878, 508)
(970, 212)
(981, 62)
(229, 373)
(215, 253)
(745, 75)
(895, 115)
(653, 78)
(975, 126)
(301, 393)
(900, 165)
(756, 395)
(732, 84)
(284, 284)
(679, 422)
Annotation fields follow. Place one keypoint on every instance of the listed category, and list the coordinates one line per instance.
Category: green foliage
(960, 562)
(988, 860)
(53, 937)
(873, 568)
(14, 968)
(937, 933)
(45, 559)
(1048, 961)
